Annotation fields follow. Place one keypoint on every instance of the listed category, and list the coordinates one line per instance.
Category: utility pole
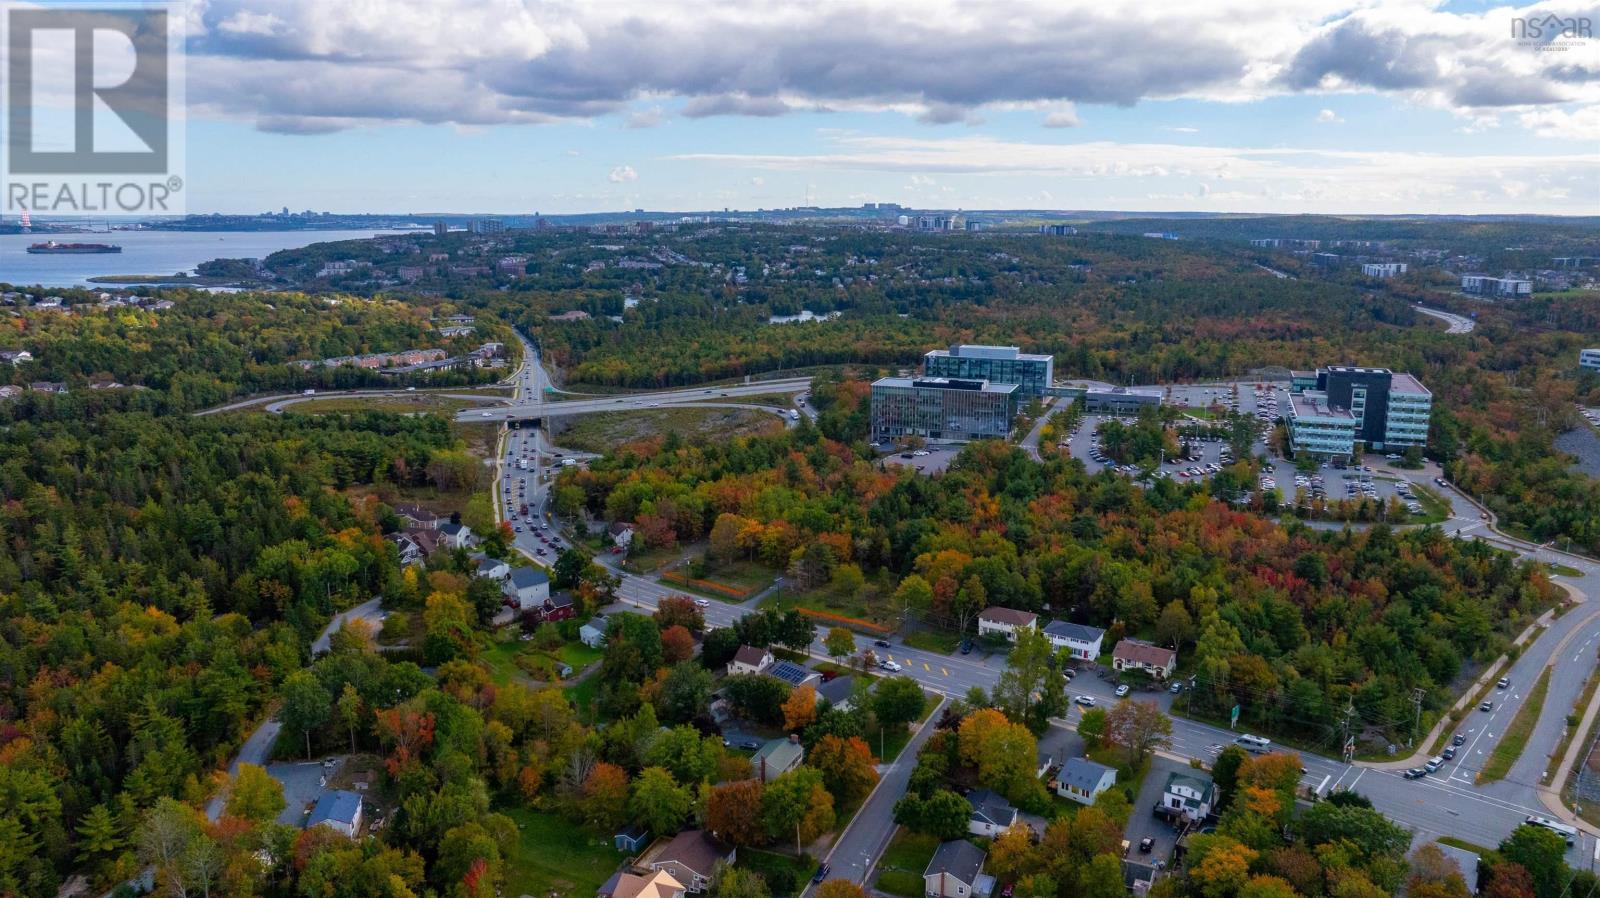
(1349, 715)
(1416, 699)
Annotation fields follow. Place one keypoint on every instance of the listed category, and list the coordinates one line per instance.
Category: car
(702, 603)
(966, 646)
(907, 455)
(1175, 688)
(1146, 844)
(1486, 706)
(1458, 739)
(1449, 754)
(1434, 764)
(829, 675)
(1504, 683)
(1123, 690)
(890, 666)
(1086, 701)
(483, 414)
(821, 874)
(881, 643)
(1416, 773)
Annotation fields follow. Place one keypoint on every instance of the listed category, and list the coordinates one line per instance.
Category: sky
(516, 106)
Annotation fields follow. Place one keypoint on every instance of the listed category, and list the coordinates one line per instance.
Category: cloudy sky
(584, 105)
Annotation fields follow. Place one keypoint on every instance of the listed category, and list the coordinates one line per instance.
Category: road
(523, 408)
(1447, 803)
(1459, 324)
(368, 611)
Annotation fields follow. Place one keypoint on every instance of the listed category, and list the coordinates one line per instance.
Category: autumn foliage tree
(800, 708)
(847, 766)
(733, 812)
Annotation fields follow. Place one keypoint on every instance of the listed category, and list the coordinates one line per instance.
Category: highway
(523, 408)
(1459, 324)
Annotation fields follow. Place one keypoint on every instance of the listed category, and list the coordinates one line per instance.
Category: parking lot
(931, 460)
(1208, 455)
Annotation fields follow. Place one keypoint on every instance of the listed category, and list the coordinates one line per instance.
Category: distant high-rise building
(1484, 285)
(1379, 408)
(1383, 269)
(1058, 230)
(488, 226)
(441, 228)
(1589, 359)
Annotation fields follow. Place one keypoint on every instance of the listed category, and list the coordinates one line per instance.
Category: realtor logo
(92, 102)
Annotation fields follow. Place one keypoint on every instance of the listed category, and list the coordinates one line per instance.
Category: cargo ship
(52, 247)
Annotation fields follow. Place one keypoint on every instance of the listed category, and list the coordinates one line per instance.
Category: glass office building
(941, 408)
(1031, 373)
(1380, 409)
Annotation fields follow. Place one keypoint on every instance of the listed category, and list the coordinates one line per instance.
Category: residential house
(691, 857)
(410, 552)
(777, 757)
(456, 536)
(339, 810)
(991, 814)
(574, 315)
(955, 871)
(528, 587)
(593, 633)
(1132, 654)
(559, 606)
(490, 568)
(1005, 622)
(621, 534)
(749, 660)
(838, 692)
(793, 674)
(1082, 780)
(10, 392)
(47, 386)
(631, 838)
(15, 356)
(1189, 796)
(1080, 641)
(426, 539)
(659, 884)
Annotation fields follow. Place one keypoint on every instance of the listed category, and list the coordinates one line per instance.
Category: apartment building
(1484, 285)
(1589, 359)
(1383, 269)
(940, 408)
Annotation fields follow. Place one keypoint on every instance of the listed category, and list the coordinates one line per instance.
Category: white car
(702, 603)
(890, 666)
(1086, 701)
(1122, 691)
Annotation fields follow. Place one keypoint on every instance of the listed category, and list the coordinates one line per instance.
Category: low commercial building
(1031, 373)
(1119, 401)
(1589, 359)
(1484, 285)
(939, 408)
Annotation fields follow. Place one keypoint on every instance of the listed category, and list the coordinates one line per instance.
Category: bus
(1254, 744)
(1561, 829)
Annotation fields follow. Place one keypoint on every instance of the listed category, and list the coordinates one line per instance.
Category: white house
(593, 633)
(1188, 795)
(456, 536)
(491, 568)
(991, 815)
(749, 660)
(1082, 780)
(1005, 622)
(339, 810)
(956, 871)
(529, 587)
(1131, 654)
(1079, 641)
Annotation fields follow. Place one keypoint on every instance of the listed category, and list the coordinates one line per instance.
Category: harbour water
(161, 253)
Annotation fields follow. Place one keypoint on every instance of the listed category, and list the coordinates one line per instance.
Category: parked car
(821, 874)
(1449, 754)
(1175, 688)
(1123, 690)
(1458, 739)
(1146, 844)
(966, 646)
(1486, 706)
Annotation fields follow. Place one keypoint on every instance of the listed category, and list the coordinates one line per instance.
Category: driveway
(1144, 821)
(369, 611)
(303, 783)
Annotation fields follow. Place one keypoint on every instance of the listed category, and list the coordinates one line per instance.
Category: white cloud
(1064, 116)
(757, 181)
(646, 118)
(1256, 179)
(623, 173)
(313, 65)
(1329, 117)
(1580, 124)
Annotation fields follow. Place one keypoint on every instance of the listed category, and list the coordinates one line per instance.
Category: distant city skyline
(1230, 106)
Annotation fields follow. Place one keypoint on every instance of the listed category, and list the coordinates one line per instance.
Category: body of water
(148, 252)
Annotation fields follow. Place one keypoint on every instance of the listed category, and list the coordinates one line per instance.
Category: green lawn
(865, 607)
(501, 658)
(579, 655)
(740, 574)
(644, 561)
(1515, 738)
(554, 857)
(934, 641)
(768, 862)
(900, 870)
(1564, 570)
(583, 695)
